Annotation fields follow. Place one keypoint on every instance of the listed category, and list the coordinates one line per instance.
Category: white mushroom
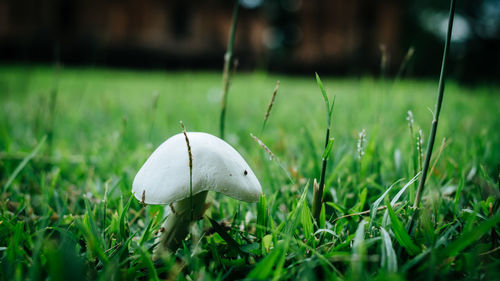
(165, 179)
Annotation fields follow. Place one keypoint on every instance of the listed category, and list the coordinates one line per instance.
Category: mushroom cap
(217, 166)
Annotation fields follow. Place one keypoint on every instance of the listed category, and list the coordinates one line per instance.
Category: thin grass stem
(439, 102)
(318, 192)
(225, 72)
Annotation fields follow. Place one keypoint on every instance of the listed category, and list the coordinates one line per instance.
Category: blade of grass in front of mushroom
(435, 120)
(225, 72)
(318, 193)
(190, 169)
(271, 103)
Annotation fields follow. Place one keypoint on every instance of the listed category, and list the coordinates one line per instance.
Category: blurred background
(289, 36)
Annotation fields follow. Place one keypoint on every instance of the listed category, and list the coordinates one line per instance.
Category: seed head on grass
(361, 144)
(410, 120)
(272, 157)
(261, 144)
(271, 103)
(420, 149)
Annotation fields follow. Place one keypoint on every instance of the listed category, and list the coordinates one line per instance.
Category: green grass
(66, 211)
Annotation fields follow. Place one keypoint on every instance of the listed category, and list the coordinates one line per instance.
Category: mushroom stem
(176, 226)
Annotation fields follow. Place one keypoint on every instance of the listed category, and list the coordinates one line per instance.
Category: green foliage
(75, 204)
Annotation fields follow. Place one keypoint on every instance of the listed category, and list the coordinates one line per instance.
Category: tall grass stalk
(439, 102)
(225, 72)
(318, 193)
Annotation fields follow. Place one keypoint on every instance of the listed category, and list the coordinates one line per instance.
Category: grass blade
(389, 259)
(23, 163)
(358, 251)
(325, 96)
(262, 215)
(124, 228)
(373, 209)
(400, 233)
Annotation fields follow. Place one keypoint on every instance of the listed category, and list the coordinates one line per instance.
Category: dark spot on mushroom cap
(230, 175)
(245, 173)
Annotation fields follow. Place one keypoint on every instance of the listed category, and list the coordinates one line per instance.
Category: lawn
(72, 140)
